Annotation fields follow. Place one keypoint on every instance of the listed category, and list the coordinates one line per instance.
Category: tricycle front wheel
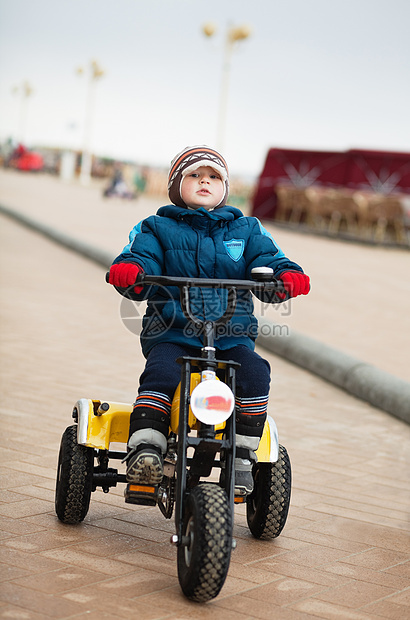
(74, 478)
(204, 556)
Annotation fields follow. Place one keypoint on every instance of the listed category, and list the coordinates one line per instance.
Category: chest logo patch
(235, 248)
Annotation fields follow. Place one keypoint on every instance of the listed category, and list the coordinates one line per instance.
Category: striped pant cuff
(252, 406)
(153, 400)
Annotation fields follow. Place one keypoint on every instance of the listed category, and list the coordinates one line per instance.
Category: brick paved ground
(345, 551)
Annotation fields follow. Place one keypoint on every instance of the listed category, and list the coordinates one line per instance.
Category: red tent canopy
(378, 171)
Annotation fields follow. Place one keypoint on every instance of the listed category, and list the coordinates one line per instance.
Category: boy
(198, 236)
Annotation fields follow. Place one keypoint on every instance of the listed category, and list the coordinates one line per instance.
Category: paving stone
(10, 479)
(360, 573)
(171, 599)
(8, 572)
(98, 615)
(355, 594)
(314, 556)
(402, 598)
(305, 573)
(110, 602)
(386, 609)
(37, 491)
(21, 527)
(377, 559)
(252, 608)
(329, 611)
(25, 508)
(368, 533)
(363, 515)
(33, 562)
(284, 591)
(107, 566)
(111, 544)
(144, 560)
(400, 569)
(325, 541)
(12, 612)
(7, 497)
(138, 581)
(56, 582)
(38, 602)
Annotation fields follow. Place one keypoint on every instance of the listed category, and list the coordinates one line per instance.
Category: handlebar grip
(140, 277)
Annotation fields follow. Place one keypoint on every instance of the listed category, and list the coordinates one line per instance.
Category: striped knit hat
(188, 160)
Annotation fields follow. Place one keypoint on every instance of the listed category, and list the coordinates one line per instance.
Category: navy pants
(162, 375)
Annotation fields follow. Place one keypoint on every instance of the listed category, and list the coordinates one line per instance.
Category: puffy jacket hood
(225, 213)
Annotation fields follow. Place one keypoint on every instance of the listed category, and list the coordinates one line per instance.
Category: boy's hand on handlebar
(295, 283)
(124, 275)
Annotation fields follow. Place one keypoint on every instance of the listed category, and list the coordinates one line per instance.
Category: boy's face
(202, 188)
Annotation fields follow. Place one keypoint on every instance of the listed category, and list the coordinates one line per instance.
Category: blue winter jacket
(222, 243)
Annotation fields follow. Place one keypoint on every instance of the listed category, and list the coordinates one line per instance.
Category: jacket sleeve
(263, 251)
(144, 249)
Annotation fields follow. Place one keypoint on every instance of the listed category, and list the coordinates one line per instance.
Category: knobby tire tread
(203, 579)
(268, 505)
(74, 478)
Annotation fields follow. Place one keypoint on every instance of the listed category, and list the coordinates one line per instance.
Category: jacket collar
(224, 213)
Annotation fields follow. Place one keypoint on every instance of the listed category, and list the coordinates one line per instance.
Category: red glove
(124, 275)
(295, 283)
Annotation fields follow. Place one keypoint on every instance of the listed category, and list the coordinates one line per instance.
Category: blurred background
(135, 82)
(314, 74)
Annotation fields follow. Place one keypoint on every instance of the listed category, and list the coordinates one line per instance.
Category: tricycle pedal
(240, 499)
(143, 494)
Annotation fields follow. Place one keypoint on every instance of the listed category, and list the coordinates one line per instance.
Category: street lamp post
(234, 34)
(95, 73)
(25, 91)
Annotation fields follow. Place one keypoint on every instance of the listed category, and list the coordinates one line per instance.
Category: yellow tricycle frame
(101, 423)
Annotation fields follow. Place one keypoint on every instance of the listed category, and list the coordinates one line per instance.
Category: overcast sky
(315, 74)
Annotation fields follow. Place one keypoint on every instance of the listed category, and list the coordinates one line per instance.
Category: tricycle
(201, 443)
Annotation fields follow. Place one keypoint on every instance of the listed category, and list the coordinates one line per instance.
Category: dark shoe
(243, 477)
(144, 465)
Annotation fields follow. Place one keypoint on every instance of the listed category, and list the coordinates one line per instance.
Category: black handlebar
(247, 285)
(232, 286)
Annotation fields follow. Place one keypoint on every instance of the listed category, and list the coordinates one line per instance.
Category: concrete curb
(379, 388)
(100, 257)
(375, 386)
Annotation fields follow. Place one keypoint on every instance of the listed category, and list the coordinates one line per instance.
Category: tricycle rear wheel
(74, 478)
(204, 556)
(268, 505)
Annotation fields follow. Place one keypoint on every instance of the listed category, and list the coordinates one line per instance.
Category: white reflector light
(212, 402)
